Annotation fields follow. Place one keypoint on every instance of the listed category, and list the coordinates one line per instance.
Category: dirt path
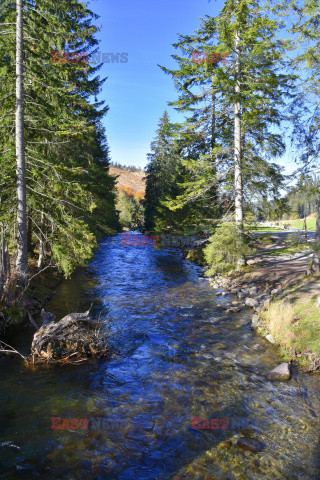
(274, 270)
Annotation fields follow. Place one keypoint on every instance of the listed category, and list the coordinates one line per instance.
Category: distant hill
(133, 180)
(127, 168)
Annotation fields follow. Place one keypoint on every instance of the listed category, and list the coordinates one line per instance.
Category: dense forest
(57, 197)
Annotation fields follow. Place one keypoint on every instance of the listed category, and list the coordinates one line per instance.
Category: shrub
(226, 248)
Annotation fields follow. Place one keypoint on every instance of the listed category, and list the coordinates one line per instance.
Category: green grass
(307, 326)
(299, 223)
(264, 229)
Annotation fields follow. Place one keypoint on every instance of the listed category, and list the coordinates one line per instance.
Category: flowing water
(176, 356)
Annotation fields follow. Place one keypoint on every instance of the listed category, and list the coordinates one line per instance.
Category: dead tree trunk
(22, 243)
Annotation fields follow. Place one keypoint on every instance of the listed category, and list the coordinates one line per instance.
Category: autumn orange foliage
(131, 193)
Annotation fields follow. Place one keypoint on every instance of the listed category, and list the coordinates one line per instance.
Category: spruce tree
(161, 171)
(250, 92)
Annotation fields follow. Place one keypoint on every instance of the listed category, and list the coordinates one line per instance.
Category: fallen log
(74, 338)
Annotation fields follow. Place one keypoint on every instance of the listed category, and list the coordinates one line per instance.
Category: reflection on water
(176, 356)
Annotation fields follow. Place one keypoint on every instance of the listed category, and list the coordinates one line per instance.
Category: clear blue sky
(137, 92)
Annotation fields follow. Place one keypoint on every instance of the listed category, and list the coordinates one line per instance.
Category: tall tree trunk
(238, 195)
(3, 272)
(237, 139)
(213, 141)
(41, 244)
(315, 266)
(22, 244)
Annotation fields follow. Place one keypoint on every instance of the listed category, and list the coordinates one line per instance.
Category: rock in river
(281, 372)
(252, 302)
(242, 294)
(250, 444)
(253, 290)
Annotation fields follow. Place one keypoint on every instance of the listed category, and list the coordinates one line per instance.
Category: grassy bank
(293, 320)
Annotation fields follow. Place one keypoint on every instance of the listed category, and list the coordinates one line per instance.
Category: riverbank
(285, 300)
(23, 307)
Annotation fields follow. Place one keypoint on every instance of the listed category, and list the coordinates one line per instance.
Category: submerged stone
(250, 444)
